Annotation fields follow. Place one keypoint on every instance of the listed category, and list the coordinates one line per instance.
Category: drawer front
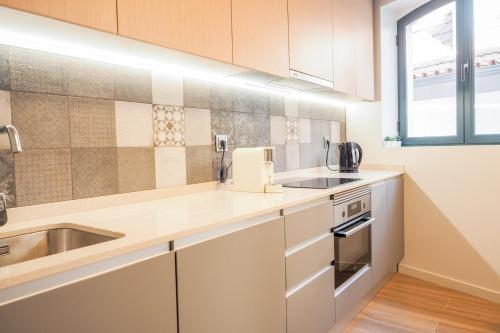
(308, 223)
(351, 300)
(309, 260)
(312, 308)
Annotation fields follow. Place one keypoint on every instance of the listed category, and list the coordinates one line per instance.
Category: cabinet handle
(355, 227)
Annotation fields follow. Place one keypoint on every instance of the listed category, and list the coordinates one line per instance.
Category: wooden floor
(407, 304)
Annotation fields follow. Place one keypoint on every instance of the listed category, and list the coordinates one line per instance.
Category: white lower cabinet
(381, 264)
(311, 308)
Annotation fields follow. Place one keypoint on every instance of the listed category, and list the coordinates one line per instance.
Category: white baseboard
(444, 281)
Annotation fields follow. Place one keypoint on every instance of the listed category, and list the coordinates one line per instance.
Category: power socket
(326, 140)
(218, 139)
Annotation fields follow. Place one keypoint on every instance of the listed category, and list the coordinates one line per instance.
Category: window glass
(487, 66)
(431, 96)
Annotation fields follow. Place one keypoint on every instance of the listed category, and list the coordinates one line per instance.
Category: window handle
(465, 71)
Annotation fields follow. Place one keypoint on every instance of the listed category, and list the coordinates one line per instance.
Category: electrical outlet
(326, 141)
(219, 138)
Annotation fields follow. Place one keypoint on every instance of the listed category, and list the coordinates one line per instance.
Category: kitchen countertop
(151, 219)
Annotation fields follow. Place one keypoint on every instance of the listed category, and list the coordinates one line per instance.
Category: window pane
(431, 80)
(487, 66)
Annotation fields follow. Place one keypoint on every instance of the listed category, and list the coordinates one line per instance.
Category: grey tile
(277, 105)
(40, 72)
(136, 169)
(221, 97)
(216, 162)
(318, 155)
(222, 122)
(94, 172)
(90, 79)
(343, 133)
(321, 111)
(243, 100)
(279, 158)
(196, 94)
(92, 122)
(244, 129)
(42, 176)
(292, 156)
(42, 120)
(338, 114)
(320, 128)
(304, 109)
(4, 68)
(305, 155)
(7, 184)
(199, 164)
(261, 103)
(132, 85)
(262, 130)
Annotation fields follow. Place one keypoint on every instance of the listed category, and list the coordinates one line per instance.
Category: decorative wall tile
(279, 158)
(278, 130)
(292, 156)
(170, 165)
(7, 184)
(304, 109)
(261, 103)
(291, 107)
(90, 79)
(223, 123)
(94, 171)
(168, 89)
(168, 124)
(198, 164)
(277, 105)
(244, 129)
(40, 72)
(42, 176)
(4, 68)
(198, 130)
(134, 124)
(319, 129)
(5, 117)
(304, 130)
(132, 85)
(335, 136)
(221, 98)
(136, 169)
(262, 126)
(321, 111)
(216, 162)
(305, 155)
(292, 130)
(243, 100)
(196, 94)
(92, 122)
(42, 120)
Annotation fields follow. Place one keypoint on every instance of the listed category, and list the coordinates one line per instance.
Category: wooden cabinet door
(199, 27)
(365, 85)
(260, 35)
(396, 219)
(234, 283)
(381, 266)
(136, 298)
(310, 37)
(97, 14)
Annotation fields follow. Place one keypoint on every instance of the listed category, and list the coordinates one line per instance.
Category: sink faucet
(15, 145)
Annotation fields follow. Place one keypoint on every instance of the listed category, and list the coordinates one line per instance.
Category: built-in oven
(352, 230)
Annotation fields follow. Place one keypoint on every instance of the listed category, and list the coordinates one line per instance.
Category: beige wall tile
(198, 164)
(134, 124)
(335, 132)
(198, 128)
(168, 89)
(304, 130)
(170, 165)
(5, 116)
(278, 130)
(136, 169)
(292, 156)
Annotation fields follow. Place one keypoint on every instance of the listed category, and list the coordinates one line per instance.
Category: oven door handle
(354, 228)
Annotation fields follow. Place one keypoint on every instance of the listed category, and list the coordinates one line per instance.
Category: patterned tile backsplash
(91, 129)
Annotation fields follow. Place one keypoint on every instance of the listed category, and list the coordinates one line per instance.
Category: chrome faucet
(15, 145)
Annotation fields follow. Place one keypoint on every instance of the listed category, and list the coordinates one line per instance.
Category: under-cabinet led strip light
(43, 34)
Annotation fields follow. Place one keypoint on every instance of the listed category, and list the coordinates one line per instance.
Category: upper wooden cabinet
(98, 14)
(310, 37)
(199, 27)
(260, 35)
(353, 63)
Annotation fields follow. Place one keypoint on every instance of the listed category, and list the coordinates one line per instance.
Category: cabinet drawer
(312, 308)
(308, 223)
(309, 260)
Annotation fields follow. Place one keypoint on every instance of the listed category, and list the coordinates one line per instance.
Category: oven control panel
(351, 209)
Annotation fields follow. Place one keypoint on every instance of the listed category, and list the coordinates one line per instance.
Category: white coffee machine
(253, 170)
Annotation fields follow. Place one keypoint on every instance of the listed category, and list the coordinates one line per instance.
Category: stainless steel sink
(28, 246)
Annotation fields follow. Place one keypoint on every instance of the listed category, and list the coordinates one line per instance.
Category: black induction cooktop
(317, 183)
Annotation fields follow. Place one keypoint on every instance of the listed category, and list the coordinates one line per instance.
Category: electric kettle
(350, 156)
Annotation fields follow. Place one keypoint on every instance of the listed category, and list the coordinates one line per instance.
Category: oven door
(352, 247)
